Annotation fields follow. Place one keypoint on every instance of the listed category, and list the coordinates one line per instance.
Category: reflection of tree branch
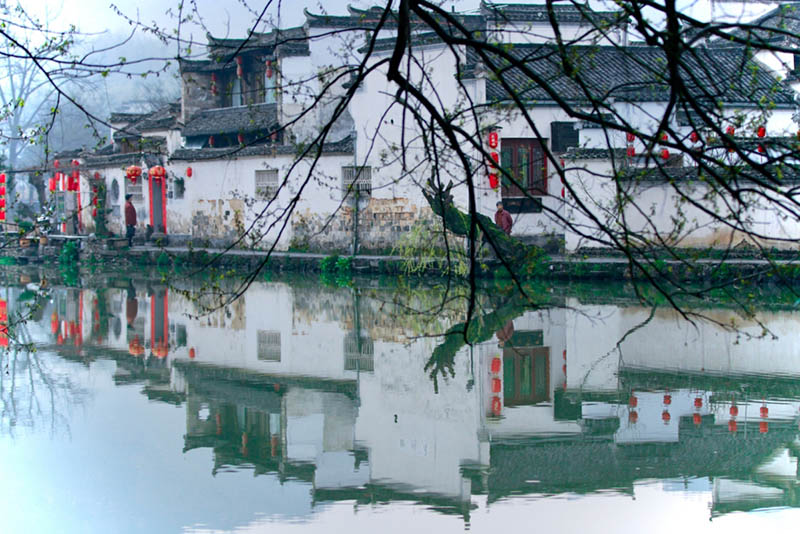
(476, 330)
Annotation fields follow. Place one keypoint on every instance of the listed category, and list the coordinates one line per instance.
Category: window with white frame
(269, 345)
(135, 189)
(266, 184)
(357, 179)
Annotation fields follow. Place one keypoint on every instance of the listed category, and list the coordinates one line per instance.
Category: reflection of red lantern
(667, 399)
(497, 385)
(630, 137)
(698, 402)
(493, 181)
(496, 363)
(734, 411)
(497, 405)
(631, 152)
(763, 427)
(633, 417)
(188, 172)
(665, 416)
(761, 132)
(493, 139)
(94, 212)
(633, 402)
(732, 426)
(696, 419)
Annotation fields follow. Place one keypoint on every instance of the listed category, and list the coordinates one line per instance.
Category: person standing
(130, 219)
(503, 219)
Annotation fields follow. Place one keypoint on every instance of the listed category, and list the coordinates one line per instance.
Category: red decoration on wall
(497, 385)
(493, 140)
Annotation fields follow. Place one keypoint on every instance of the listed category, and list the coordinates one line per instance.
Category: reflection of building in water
(325, 387)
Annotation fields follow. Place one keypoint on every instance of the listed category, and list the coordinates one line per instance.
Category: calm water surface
(308, 408)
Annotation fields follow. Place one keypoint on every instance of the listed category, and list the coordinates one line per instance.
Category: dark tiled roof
(125, 117)
(94, 161)
(574, 153)
(164, 118)
(205, 65)
(781, 26)
(660, 174)
(278, 42)
(634, 74)
(240, 119)
(569, 13)
(345, 146)
(367, 19)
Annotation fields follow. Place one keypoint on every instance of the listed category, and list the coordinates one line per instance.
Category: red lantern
(493, 139)
(496, 363)
(732, 426)
(60, 339)
(269, 69)
(667, 399)
(51, 184)
(493, 181)
(56, 163)
(96, 175)
(664, 154)
(495, 159)
(633, 417)
(211, 141)
(633, 402)
(664, 137)
(188, 172)
(631, 152)
(665, 416)
(761, 149)
(54, 323)
(497, 385)
(694, 137)
(75, 162)
(763, 427)
(240, 138)
(2, 215)
(239, 71)
(698, 402)
(497, 405)
(133, 172)
(192, 353)
(2, 190)
(273, 136)
(2, 178)
(239, 60)
(696, 419)
(734, 411)
(730, 130)
(157, 173)
(764, 411)
(761, 132)
(630, 137)
(2, 203)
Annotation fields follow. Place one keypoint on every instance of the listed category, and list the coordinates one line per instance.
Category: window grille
(269, 345)
(135, 190)
(357, 179)
(266, 184)
(358, 358)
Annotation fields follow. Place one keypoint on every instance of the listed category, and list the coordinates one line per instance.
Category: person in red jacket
(130, 219)
(503, 219)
